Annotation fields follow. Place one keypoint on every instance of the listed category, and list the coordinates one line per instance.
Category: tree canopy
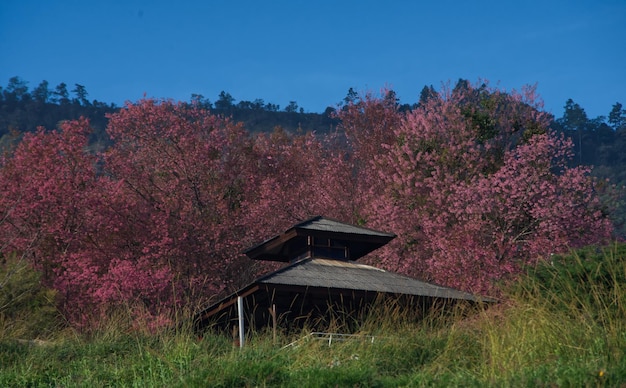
(474, 180)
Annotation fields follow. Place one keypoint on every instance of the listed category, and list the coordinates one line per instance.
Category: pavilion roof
(287, 245)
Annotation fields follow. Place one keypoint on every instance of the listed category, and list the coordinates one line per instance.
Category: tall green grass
(561, 324)
(27, 309)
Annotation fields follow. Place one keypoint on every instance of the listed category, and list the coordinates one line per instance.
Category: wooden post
(240, 316)
(274, 320)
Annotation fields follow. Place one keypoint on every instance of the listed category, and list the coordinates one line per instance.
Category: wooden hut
(322, 274)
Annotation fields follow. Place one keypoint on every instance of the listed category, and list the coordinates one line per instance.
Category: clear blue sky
(314, 51)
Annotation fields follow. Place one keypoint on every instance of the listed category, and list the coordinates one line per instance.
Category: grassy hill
(562, 324)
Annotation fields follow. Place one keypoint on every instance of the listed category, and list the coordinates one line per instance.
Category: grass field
(564, 324)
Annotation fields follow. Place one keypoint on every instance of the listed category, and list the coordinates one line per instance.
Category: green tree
(462, 86)
(258, 104)
(617, 117)
(272, 107)
(575, 122)
(292, 107)
(41, 92)
(225, 101)
(574, 117)
(427, 93)
(81, 95)
(200, 101)
(351, 98)
(244, 104)
(61, 94)
(392, 98)
(16, 90)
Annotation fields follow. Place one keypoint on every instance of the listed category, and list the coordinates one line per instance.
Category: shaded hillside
(599, 142)
(22, 110)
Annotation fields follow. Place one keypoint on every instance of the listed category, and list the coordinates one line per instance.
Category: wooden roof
(313, 281)
(291, 243)
(346, 275)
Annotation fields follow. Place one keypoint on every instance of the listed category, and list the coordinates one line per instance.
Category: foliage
(472, 180)
(185, 173)
(368, 123)
(51, 194)
(159, 219)
(599, 143)
(475, 185)
(299, 177)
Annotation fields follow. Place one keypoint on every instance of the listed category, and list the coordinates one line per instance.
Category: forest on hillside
(23, 110)
(598, 141)
(151, 204)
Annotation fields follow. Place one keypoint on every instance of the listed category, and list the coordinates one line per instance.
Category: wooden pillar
(240, 316)
(274, 321)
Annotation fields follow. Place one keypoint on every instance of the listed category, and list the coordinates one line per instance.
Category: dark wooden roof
(293, 242)
(313, 276)
(347, 275)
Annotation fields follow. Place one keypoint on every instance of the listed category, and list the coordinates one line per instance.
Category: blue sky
(312, 52)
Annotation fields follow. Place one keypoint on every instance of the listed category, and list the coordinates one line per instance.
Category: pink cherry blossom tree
(189, 174)
(153, 221)
(300, 176)
(476, 185)
(67, 219)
